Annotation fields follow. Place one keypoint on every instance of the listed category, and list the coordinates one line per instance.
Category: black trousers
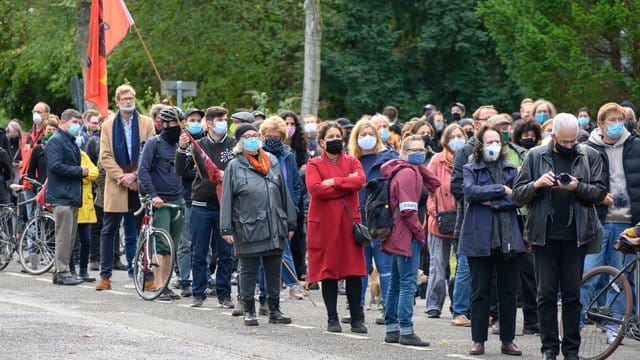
(528, 290)
(299, 247)
(559, 264)
(249, 275)
(482, 269)
(96, 229)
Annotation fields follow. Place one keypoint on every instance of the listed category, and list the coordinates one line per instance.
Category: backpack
(378, 212)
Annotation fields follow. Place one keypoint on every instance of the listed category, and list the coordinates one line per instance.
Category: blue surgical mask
(416, 158)
(252, 144)
(367, 142)
(220, 127)
(583, 121)
(79, 141)
(194, 128)
(74, 129)
(542, 117)
(455, 144)
(492, 151)
(310, 127)
(384, 134)
(615, 131)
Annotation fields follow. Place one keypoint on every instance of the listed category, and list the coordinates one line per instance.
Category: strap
(348, 210)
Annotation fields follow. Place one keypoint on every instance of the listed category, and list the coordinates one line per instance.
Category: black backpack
(378, 211)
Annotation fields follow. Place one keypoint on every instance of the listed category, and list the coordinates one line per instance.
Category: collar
(222, 139)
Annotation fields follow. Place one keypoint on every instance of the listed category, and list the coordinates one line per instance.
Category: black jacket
(64, 186)
(591, 190)
(37, 164)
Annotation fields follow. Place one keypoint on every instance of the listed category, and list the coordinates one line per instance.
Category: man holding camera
(561, 182)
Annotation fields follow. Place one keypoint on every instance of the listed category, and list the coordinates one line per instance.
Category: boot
(275, 315)
(333, 325)
(104, 284)
(264, 308)
(250, 312)
(239, 310)
(84, 275)
(357, 321)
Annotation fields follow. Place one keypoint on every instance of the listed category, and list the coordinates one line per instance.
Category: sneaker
(334, 326)
(172, 294)
(165, 296)
(611, 336)
(283, 295)
(197, 301)
(461, 320)
(295, 293)
(119, 266)
(186, 291)
(176, 284)
(210, 291)
(226, 303)
(495, 328)
(234, 278)
(433, 313)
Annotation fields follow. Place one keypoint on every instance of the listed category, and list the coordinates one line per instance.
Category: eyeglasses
(127, 99)
(249, 136)
(415, 150)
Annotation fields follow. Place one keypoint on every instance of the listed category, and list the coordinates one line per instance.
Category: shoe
(172, 294)
(176, 284)
(611, 336)
(380, 317)
(239, 309)
(250, 312)
(433, 314)
(103, 284)
(86, 277)
(313, 286)
(275, 315)
(510, 349)
(264, 308)
(549, 355)
(477, 349)
(94, 266)
(571, 357)
(392, 337)
(186, 290)
(295, 293)
(346, 319)
(495, 328)
(66, 280)
(150, 285)
(165, 296)
(197, 301)
(117, 265)
(333, 325)
(226, 303)
(412, 340)
(357, 323)
(531, 329)
(211, 291)
(461, 320)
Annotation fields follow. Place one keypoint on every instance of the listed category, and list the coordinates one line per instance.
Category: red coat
(332, 250)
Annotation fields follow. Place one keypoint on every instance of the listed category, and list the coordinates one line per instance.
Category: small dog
(374, 290)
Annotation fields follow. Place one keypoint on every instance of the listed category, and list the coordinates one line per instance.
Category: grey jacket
(256, 209)
(591, 190)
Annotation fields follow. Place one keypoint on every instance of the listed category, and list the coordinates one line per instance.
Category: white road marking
(197, 308)
(420, 348)
(351, 336)
(300, 326)
(460, 356)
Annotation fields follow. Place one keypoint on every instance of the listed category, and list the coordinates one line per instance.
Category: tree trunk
(84, 12)
(312, 40)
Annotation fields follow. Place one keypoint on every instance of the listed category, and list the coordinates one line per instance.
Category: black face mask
(528, 143)
(171, 134)
(564, 151)
(427, 140)
(334, 146)
(455, 116)
(470, 134)
(14, 140)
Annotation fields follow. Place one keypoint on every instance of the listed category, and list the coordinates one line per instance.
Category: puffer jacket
(256, 209)
(591, 190)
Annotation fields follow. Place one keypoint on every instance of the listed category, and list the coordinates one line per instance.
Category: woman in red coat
(332, 250)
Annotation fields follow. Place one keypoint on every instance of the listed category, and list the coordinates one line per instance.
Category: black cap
(243, 117)
(193, 111)
(243, 128)
(430, 107)
(344, 123)
(257, 113)
(460, 105)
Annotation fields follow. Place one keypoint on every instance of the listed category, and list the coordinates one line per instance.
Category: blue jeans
(462, 287)
(383, 264)
(606, 256)
(205, 227)
(110, 236)
(184, 247)
(404, 271)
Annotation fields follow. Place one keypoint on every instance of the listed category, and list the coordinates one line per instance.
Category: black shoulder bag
(446, 219)
(360, 232)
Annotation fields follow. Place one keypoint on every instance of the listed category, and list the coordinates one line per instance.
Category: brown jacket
(116, 195)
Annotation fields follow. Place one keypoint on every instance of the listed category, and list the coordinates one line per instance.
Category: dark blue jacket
(64, 181)
(479, 187)
(287, 160)
(157, 170)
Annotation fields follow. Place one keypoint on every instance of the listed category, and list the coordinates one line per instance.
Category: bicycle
(610, 313)
(34, 241)
(155, 253)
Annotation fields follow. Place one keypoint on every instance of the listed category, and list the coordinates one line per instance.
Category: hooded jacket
(405, 189)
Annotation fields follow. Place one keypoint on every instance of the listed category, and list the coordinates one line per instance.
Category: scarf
(263, 165)
(120, 151)
(448, 158)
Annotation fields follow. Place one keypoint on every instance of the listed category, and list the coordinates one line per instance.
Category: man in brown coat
(120, 144)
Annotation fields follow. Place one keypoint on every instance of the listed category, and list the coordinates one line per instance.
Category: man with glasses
(620, 209)
(561, 183)
(120, 143)
(205, 208)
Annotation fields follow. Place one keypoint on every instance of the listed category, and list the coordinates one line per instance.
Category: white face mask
(310, 127)
(128, 109)
(492, 151)
(367, 142)
(37, 118)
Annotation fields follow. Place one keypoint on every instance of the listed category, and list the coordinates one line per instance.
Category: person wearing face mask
(426, 132)
(562, 227)
(121, 140)
(467, 127)
(513, 153)
(390, 139)
(64, 191)
(366, 146)
(584, 119)
(157, 176)
(490, 238)
(333, 180)
(621, 207)
(458, 111)
(205, 206)
(440, 242)
(437, 121)
(543, 110)
(311, 132)
(256, 216)
(409, 182)
(296, 138)
(527, 134)
(37, 164)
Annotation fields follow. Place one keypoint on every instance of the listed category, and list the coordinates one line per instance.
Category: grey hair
(565, 121)
(239, 148)
(379, 116)
(409, 139)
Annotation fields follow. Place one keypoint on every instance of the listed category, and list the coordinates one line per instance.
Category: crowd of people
(525, 202)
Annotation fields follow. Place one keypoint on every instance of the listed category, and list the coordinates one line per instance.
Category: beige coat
(116, 195)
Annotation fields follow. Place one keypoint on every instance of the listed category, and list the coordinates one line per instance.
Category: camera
(563, 179)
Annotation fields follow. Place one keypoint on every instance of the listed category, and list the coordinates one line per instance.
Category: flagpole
(153, 64)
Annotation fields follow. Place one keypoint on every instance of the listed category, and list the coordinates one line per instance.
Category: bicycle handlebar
(147, 199)
(30, 180)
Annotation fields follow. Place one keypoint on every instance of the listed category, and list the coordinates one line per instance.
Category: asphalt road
(39, 320)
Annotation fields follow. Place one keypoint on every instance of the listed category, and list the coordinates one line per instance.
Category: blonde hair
(273, 123)
(354, 148)
(608, 108)
(124, 89)
(444, 140)
(539, 102)
(379, 116)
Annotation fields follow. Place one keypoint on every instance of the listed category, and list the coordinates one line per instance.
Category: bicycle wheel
(606, 309)
(7, 243)
(37, 244)
(154, 257)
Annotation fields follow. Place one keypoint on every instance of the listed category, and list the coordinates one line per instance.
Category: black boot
(333, 325)
(275, 315)
(250, 312)
(357, 321)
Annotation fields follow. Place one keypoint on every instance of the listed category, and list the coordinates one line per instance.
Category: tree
(574, 53)
(312, 41)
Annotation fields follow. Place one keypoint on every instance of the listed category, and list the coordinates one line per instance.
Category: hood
(393, 166)
(596, 138)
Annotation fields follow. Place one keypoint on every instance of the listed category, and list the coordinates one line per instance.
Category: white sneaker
(611, 336)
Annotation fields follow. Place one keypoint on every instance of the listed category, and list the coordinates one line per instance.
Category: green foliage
(574, 53)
